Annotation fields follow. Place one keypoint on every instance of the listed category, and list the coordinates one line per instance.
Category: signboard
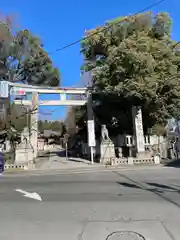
(4, 89)
(91, 134)
(65, 138)
(18, 91)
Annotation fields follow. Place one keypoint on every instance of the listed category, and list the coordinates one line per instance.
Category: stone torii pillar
(34, 124)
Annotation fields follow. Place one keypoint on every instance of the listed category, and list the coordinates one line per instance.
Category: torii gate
(8, 88)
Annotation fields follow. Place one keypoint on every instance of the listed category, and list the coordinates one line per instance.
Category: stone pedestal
(23, 156)
(107, 151)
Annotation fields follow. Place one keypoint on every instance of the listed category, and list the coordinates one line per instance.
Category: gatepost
(34, 124)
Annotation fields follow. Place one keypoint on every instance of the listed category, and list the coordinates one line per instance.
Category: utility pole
(90, 125)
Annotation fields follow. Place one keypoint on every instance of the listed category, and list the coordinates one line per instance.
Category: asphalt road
(91, 204)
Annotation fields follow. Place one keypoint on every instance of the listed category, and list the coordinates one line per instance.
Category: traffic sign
(4, 89)
(65, 138)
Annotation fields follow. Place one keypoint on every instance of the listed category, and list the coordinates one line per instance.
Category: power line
(108, 27)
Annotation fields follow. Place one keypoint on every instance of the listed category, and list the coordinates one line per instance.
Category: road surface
(92, 204)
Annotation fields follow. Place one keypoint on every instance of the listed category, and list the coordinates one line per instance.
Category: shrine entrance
(28, 96)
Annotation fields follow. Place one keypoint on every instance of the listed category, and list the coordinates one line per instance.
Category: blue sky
(58, 23)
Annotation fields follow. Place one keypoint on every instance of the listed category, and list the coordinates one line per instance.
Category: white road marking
(33, 195)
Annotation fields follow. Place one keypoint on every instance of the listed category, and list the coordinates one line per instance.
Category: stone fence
(124, 146)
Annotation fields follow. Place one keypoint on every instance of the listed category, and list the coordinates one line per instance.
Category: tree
(23, 59)
(12, 127)
(19, 115)
(18, 118)
(57, 126)
(71, 121)
(134, 61)
(38, 67)
(159, 130)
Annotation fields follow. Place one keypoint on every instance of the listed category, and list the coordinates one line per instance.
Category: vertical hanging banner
(4, 89)
(91, 134)
(90, 122)
(3, 109)
(4, 100)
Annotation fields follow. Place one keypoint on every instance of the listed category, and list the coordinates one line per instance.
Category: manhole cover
(125, 235)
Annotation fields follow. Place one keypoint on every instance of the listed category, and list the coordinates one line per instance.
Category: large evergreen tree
(134, 61)
(23, 58)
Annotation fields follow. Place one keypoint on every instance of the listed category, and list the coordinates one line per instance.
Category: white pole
(92, 156)
(66, 152)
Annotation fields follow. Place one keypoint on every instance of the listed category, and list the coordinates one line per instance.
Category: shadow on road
(75, 160)
(43, 155)
(162, 186)
(59, 153)
(62, 153)
(74, 156)
(155, 188)
(130, 185)
(173, 163)
(71, 158)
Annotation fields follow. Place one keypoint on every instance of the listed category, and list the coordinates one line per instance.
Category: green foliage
(57, 126)
(159, 130)
(17, 119)
(22, 58)
(71, 121)
(38, 67)
(134, 62)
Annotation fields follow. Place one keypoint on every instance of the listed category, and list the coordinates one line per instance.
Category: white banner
(91, 134)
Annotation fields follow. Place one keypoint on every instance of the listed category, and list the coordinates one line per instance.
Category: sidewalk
(55, 162)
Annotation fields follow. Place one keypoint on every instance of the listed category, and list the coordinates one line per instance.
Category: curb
(100, 167)
(15, 166)
(10, 168)
(38, 172)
